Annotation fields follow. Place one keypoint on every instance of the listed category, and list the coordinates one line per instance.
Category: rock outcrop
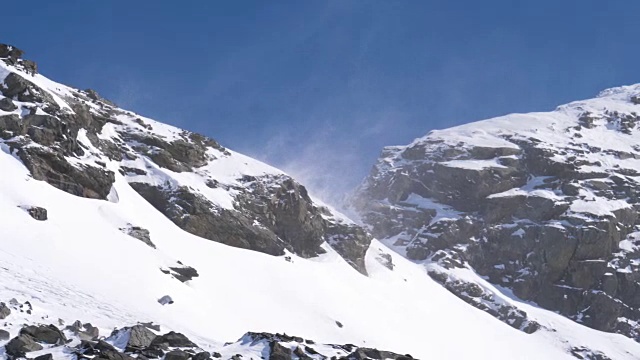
(544, 204)
(78, 142)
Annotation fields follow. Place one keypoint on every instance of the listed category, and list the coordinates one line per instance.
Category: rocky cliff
(544, 205)
(76, 141)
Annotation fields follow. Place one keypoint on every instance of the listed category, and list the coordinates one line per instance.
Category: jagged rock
(37, 213)
(11, 52)
(4, 311)
(279, 352)
(4, 335)
(21, 89)
(139, 233)
(21, 344)
(140, 337)
(44, 357)
(84, 181)
(48, 334)
(173, 339)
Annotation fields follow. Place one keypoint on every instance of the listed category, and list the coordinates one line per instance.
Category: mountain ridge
(116, 219)
(544, 204)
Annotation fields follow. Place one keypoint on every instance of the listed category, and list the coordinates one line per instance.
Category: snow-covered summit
(543, 204)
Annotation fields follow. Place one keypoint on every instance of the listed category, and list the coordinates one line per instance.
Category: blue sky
(319, 87)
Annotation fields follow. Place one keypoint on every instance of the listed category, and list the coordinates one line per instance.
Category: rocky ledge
(543, 204)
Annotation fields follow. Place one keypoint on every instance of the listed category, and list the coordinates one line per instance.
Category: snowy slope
(544, 206)
(79, 264)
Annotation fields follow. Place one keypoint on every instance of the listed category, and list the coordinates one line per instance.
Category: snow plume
(330, 159)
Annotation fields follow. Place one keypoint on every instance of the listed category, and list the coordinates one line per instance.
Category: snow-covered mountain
(541, 205)
(165, 244)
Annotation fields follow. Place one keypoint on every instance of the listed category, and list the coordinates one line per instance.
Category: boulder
(37, 213)
(173, 339)
(7, 105)
(4, 335)
(4, 311)
(23, 343)
(140, 337)
(48, 334)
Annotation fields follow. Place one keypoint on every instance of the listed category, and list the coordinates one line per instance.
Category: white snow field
(78, 265)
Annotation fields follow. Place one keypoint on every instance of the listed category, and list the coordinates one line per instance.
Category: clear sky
(319, 87)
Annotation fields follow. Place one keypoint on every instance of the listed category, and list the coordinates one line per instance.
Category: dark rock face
(288, 217)
(538, 215)
(85, 181)
(197, 215)
(4, 335)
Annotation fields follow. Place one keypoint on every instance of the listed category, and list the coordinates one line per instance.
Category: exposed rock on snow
(48, 334)
(139, 233)
(36, 212)
(538, 203)
(165, 300)
(182, 272)
(20, 345)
